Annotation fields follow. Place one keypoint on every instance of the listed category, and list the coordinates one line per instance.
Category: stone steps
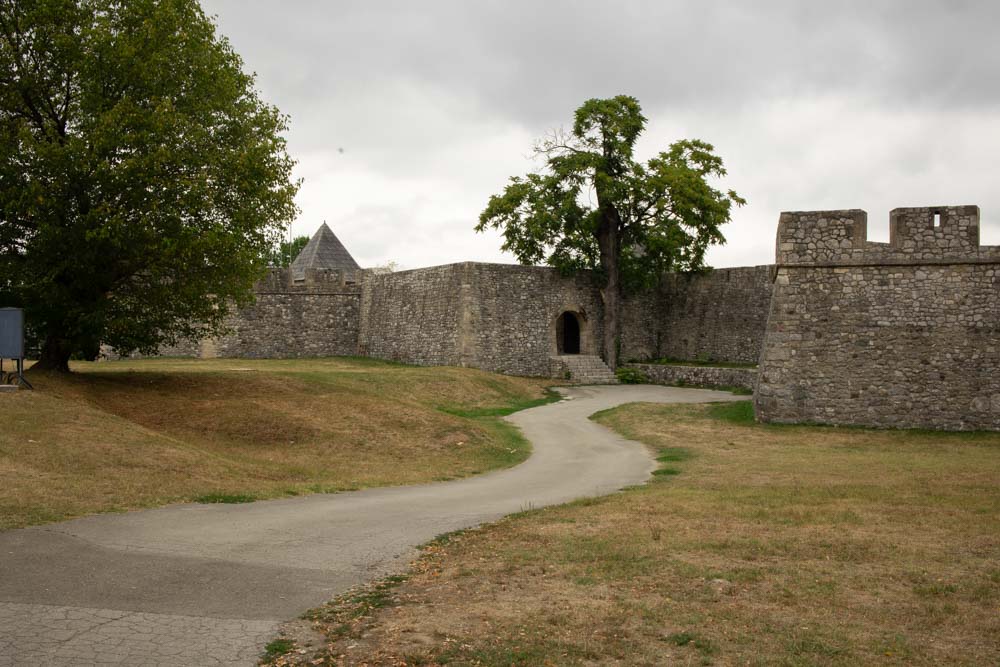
(584, 368)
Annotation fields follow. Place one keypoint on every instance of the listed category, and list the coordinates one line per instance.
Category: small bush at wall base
(627, 375)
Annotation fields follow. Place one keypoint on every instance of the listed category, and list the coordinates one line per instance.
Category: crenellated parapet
(921, 235)
(904, 334)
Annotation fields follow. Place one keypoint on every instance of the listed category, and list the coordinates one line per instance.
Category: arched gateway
(568, 333)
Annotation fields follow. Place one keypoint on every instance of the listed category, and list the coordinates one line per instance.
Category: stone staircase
(583, 368)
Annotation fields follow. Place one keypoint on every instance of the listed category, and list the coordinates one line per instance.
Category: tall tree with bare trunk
(594, 207)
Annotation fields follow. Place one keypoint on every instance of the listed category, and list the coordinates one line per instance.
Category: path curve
(198, 584)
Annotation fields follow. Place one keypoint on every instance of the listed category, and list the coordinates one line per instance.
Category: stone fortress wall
(497, 317)
(503, 318)
(898, 334)
(847, 331)
(715, 316)
(317, 315)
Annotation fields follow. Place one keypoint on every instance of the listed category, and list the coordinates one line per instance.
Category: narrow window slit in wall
(937, 219)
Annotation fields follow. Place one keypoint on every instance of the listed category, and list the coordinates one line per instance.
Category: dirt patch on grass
(771, 545)
(123, 435)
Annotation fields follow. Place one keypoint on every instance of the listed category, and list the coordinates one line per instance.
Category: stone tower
(325, 251)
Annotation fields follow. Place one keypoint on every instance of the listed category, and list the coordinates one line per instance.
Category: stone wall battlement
(902, 334)
(312, 281)
(923, 235)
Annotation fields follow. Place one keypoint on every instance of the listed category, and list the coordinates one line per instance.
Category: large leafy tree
(593, 206)
(143, 181)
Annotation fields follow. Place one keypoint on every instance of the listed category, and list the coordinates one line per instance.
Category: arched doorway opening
(568, 333)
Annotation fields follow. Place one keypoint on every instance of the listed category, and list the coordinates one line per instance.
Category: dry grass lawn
(755, 545)
(122, 435)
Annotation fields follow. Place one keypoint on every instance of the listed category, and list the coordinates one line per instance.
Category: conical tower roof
(324, 251)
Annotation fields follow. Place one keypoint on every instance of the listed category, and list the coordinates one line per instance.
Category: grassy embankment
(121, 435)
(760, 545)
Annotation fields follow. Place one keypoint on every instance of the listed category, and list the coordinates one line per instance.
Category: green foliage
(669, 213)
(627, 375)
(277, 648)
(285, 253)
(143, 182)
(593, 206)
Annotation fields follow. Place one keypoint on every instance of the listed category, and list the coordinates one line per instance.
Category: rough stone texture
(719, 315)
(497, 317)
(492, 316)
(712, 377)
(513, 312)
(317, 316)
(584, 369)
(904, 334)
(414, 316)
(503, 318)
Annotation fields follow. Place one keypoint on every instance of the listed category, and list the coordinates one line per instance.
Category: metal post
(20, 375)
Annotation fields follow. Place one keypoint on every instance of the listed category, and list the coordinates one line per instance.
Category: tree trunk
(609, 242)
(55, 355)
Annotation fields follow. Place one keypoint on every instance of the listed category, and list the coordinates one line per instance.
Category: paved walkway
(209, 584)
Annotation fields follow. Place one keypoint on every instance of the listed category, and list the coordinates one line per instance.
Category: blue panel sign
(11, 333)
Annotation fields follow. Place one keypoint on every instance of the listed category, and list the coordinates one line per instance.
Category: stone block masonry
(719, 315)
(415, 316)
(317, 315)
(504, 318)
(900, 334)
(709, 377)
(497, 317)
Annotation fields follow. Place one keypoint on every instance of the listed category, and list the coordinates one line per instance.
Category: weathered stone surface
(718, 315)
(712, 377)
(317, 316)
(503, 317)
(905, 334)
(496, 317)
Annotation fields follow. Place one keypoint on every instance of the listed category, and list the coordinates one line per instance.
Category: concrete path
(209, 584)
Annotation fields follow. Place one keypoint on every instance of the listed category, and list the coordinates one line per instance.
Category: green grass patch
(277, 648)
(735, 412)
(227, 498)
(705, 646)
(673, 454)
(515, 404)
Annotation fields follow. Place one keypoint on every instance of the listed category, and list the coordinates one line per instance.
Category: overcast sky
(406, 116)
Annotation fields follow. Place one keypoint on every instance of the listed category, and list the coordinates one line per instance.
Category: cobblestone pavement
(209, 584)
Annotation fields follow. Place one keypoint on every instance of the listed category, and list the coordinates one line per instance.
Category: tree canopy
(143, 181)
(285, 252)
(594, 206)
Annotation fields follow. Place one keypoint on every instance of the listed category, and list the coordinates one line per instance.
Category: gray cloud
(435, 104)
